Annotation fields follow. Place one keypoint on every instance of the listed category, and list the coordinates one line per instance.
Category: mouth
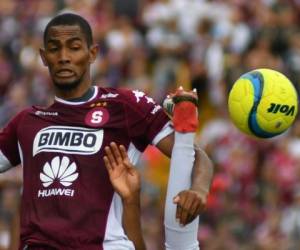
(64, 73)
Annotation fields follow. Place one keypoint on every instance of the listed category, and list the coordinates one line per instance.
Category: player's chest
(84, 132)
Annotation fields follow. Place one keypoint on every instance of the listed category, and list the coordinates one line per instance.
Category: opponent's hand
(190, 204)
(123, 176)
(181, 106)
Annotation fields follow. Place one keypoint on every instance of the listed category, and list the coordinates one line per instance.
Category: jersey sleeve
(145, 118)
(9, 143)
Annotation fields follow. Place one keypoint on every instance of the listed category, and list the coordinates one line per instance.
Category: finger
(116, 153)
(194, 208)
(107, 164)
(200, 208)
(110, 156)
(126, 160)
(123, 152)
(190, 219)
(180, 208)
(178, 213)
(194, 212)
(176, 200)
(186, 206)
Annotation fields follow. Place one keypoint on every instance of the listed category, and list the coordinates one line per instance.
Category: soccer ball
(263, 103)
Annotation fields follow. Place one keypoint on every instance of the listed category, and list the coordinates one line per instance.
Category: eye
(53, 49)
(75, 48)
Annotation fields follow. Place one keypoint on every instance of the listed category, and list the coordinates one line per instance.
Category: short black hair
(71, 19)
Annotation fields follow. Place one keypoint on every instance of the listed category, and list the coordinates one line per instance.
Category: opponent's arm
(202, 175)
(187, 204)
(202, 172)
(186, 162)
(126, 182)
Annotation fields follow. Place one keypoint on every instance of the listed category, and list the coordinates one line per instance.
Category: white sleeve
(165, 131)
(183, 156)
(4, 163)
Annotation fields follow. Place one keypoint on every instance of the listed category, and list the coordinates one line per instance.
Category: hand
(179, 96)
(123, 176)
(189, 205)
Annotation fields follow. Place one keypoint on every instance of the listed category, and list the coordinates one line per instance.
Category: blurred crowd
(156, 46)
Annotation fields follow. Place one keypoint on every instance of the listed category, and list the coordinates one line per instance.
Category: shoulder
(23, 113)
(127, 96)
(131, 99)
(17, 120)
(117, 93)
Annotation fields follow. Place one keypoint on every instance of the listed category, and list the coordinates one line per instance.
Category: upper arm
(9, 151)
(144, 118)
(4, 163)
(165, 145)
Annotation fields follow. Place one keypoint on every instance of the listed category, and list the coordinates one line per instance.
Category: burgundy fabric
(70, 210)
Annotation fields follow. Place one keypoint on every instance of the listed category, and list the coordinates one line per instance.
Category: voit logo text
(69, 140)
(59, 170)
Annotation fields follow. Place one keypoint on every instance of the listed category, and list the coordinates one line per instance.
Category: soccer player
(68, 201)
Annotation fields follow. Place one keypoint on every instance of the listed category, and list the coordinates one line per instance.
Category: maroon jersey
(68, 201)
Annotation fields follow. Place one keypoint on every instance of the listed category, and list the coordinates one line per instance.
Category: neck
(85, 97)
(69, 94)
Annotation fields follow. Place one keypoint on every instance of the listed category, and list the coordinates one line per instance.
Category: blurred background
(155, 46)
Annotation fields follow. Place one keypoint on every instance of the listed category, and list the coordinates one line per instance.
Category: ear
(43, 57)
(93, 50)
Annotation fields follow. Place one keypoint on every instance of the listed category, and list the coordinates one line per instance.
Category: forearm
(202, 171)
(183, 154)
(132, 222)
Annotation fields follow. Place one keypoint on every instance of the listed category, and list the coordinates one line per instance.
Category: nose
(64, 56)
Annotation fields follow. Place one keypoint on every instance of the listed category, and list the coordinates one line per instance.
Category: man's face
(67, 56)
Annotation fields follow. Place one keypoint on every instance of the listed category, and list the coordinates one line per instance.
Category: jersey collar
(57, 99)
